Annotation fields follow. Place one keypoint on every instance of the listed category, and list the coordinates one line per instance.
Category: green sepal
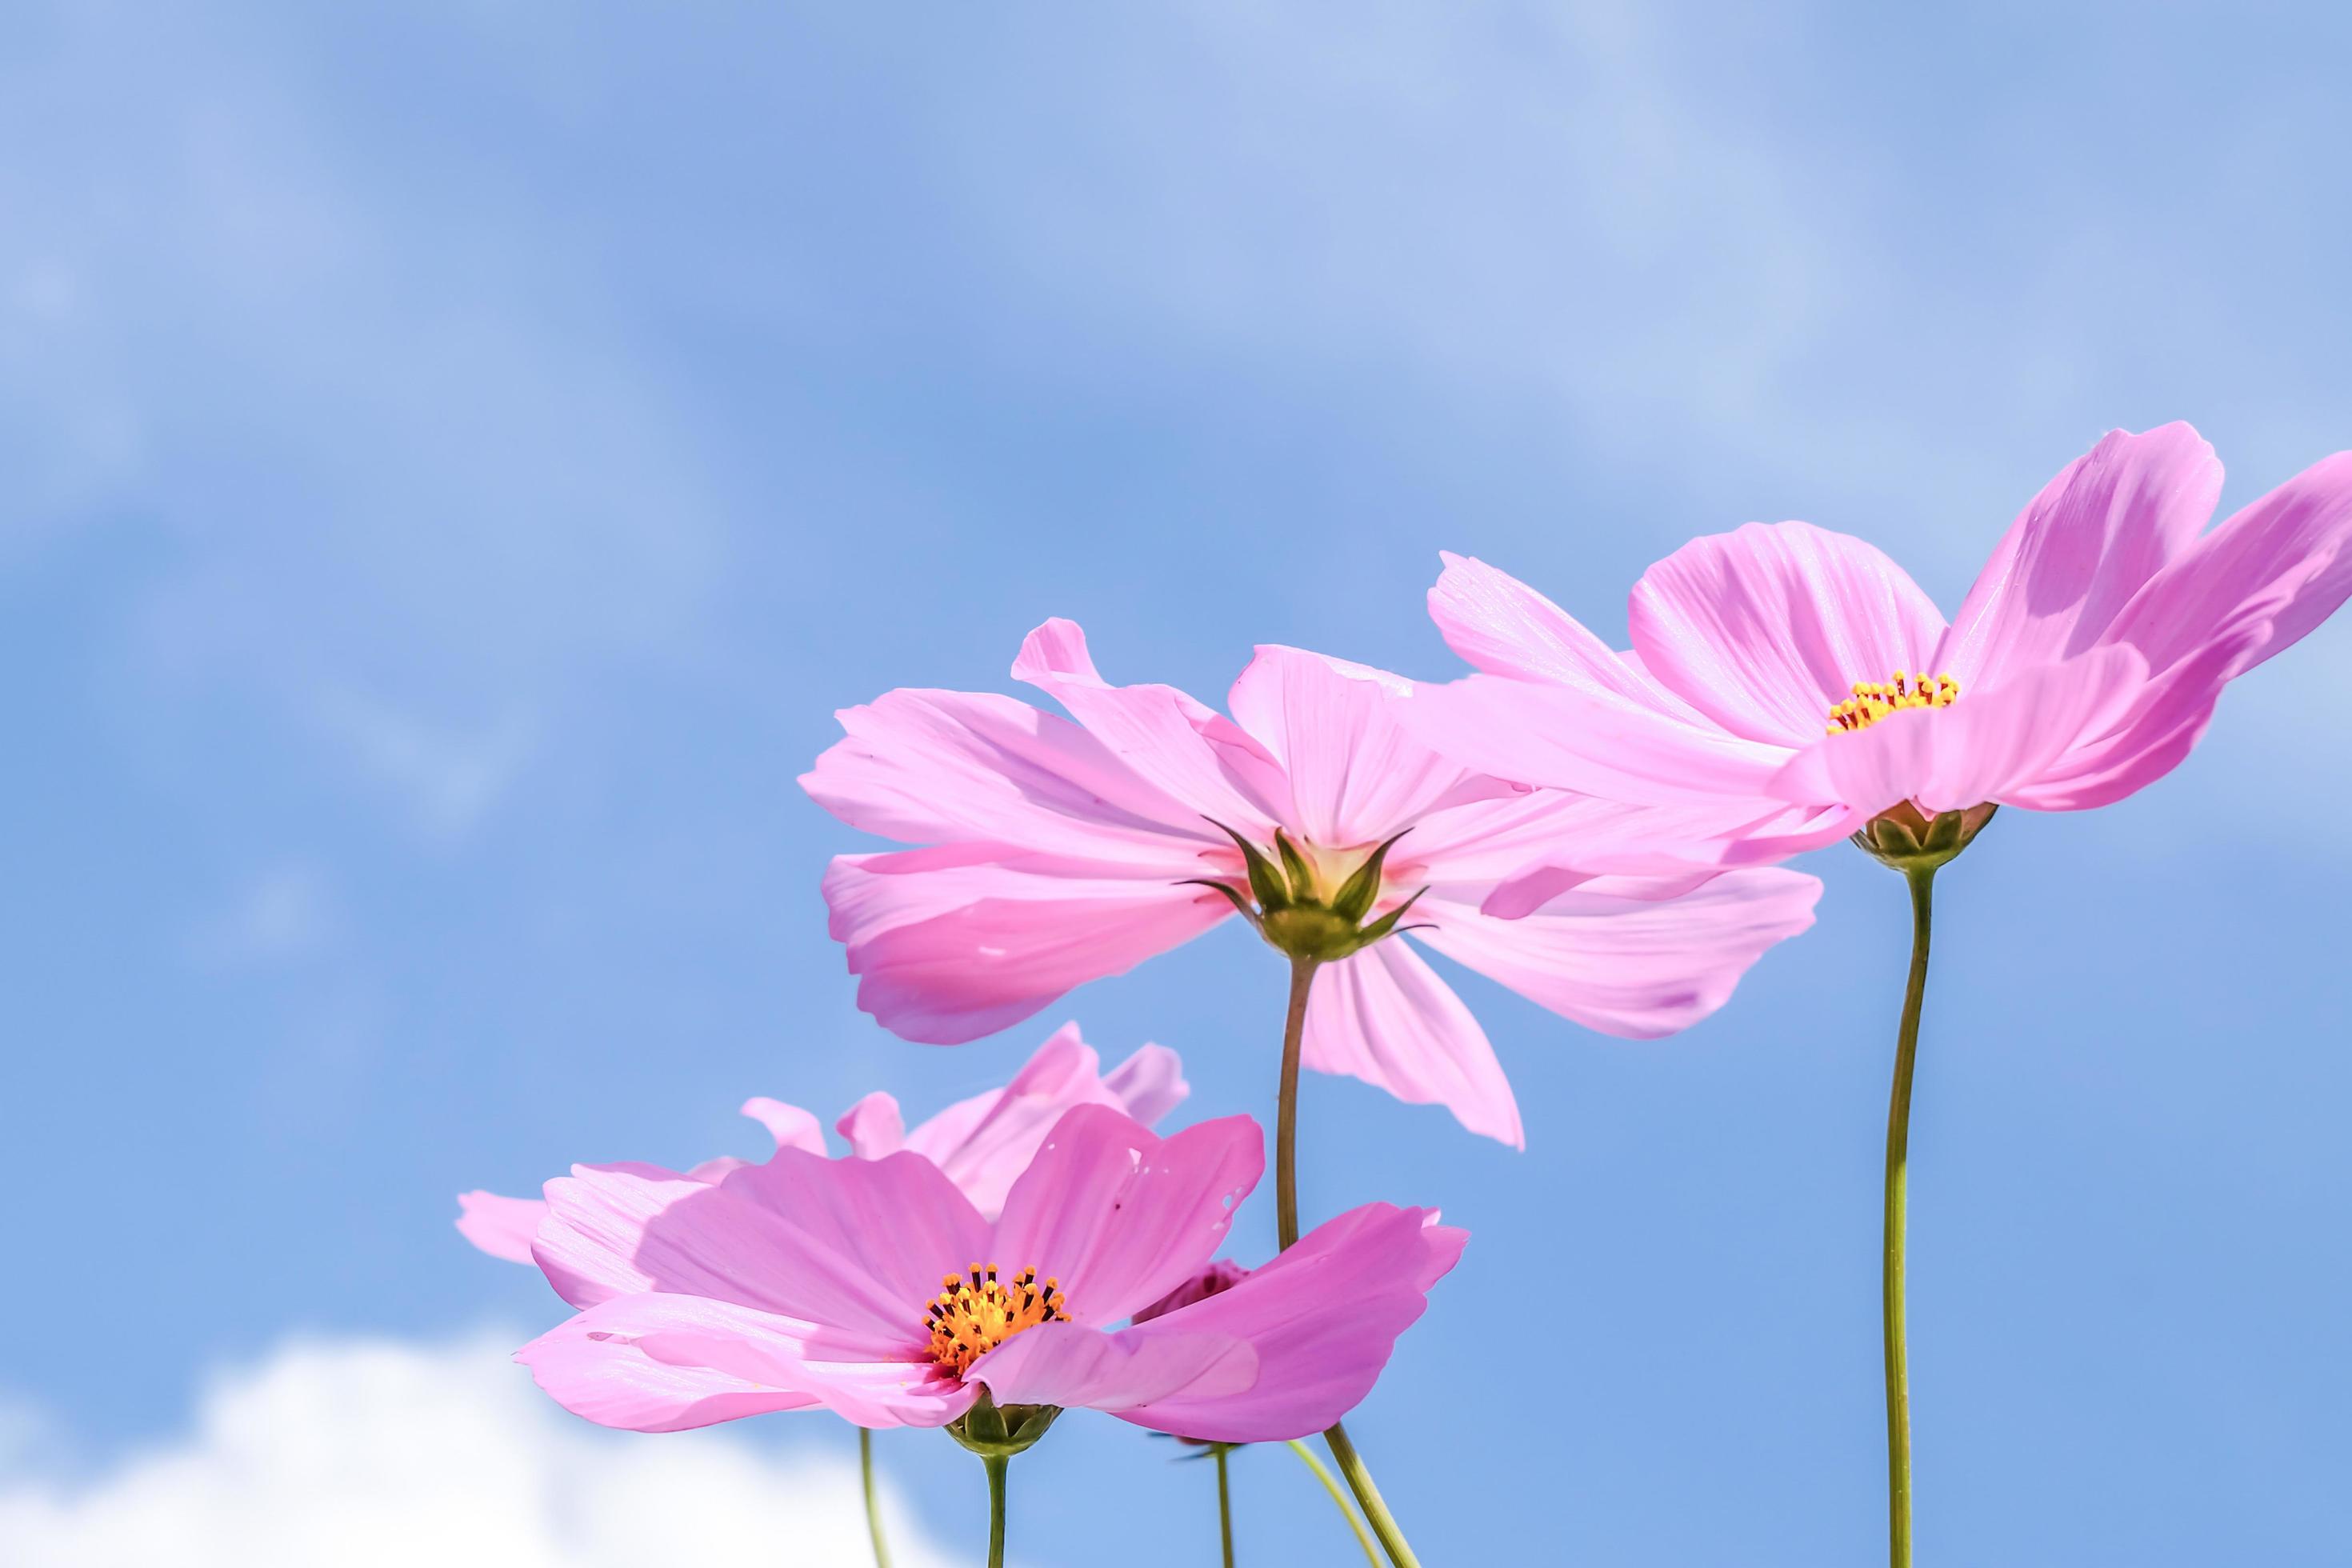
(1265, 883)
(996, 1431)
(1385, 925)
(1295, 866)
(1247, 910)
(1354, 899)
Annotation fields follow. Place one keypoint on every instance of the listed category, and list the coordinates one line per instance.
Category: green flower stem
(997, 1465)
(1899, 1143)
(1285, 1200)
(873, 1504)
(1339, 1500)
(1224, 1504)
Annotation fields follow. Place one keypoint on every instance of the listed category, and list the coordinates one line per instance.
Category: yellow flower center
(1873, 700)
(975, 1313)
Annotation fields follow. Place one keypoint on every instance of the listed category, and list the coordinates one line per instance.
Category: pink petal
(1149, 1083)
(1502, 626)
(789, 1125)
(1557, 737)
(1323, 1318)
(1513, 856)
(1615, 959)
(2163, 726)
(1985, 747)
(1117, 1216)
(2284, 563)
(1184, 748)
(859, 1245)
(1078, 1367)
(946, 766)
(659, 1363)
(984, 1142)
(874, 1128)
(951, 944)
(1384, 1016)
(1764, 629)
(503, 1228)
(2079, 551)
(1356, 775)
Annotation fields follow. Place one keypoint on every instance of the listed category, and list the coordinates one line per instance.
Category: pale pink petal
(1625, 963)
(2284, 563)
(984, 1142)
(953, 943)
(1323, 1316)
(1077, 1367)
(1356, 775)
(789, 1125)
(659, 1363)
(926, 766)
(1117, 1216)
(501, 1227)
(2079, 551)
(2163, 726)
(1502, 626)
(1984, 747)
(1384, 1016)
(859, 1245)
(1516, 854)
(1149, 1083)
(875, 1129)
(1764, 629)
(1557, 737)
(1183, 748)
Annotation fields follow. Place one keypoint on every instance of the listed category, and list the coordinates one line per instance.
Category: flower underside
(976, 1314)
(1874, 699)
(1297, 907)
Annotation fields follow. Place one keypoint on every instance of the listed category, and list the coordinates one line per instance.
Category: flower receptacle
(1289, 906)
(996, 1431)
(1907, 839)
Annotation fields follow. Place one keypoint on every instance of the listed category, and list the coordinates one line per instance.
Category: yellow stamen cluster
(975, 1313)
(1873, 700)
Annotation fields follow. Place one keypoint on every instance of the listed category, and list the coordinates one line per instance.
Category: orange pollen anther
(975, 1313)
(1873, 700)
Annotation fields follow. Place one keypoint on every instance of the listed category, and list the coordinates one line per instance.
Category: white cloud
(354, 1454)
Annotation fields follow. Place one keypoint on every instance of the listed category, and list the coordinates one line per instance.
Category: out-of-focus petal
(2284, 564)
(1356, 775)
(1764, 629)
(789, 1125)
(1627, 964)
(1149, 1083)
(1323, 1318)
(1074, 1366)
(950, 944)
(1384, 1016)
(659, 1363)
(2079, 551)
(1118, 1215)
(874, 1128)
(501, 1227)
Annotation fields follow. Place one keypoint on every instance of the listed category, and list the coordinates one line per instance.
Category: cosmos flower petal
(1074, 1366)
(789, 1125)
(874, 1128)
(660, 1362)
(2165, 724)
(1763, 628)
(1614, 958)
(1118, 1215)
(501, 1227)
(1502, 626)
(1323, 1316)
(952, 943)
(1384, 1016)
(2079, 551)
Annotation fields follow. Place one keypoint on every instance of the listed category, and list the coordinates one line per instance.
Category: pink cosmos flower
(1065, 849)
(1787, 684)
(981, 1143)
(875, 1289)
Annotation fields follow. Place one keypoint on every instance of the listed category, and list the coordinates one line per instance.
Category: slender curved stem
(1339, 1500)
(1224, 1505)
(1285, 1200)
(996, 1468)
(873, 1503)
(1898, 1146)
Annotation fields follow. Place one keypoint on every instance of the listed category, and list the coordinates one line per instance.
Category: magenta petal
(501, 1227)
(659, 1363)
(1323, 1318)
(1356, 775)
(952, 944)
(1764, 629)
(2078, 553)
(1384, 1016)
(1617, 959)
(1502, 626)
(2283, 562)
(1078, 1367)
(1119, 1217)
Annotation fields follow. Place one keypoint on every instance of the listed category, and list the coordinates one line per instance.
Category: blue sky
(457, 459)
